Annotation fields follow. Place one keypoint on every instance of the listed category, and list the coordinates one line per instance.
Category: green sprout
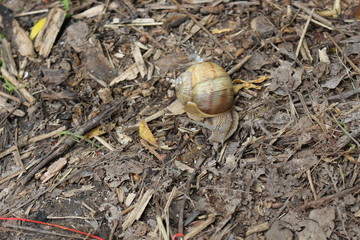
(66, 5)
(73, 136)
(7, 85)
(77, 137)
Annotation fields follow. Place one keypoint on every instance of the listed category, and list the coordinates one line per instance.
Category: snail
(206, 91)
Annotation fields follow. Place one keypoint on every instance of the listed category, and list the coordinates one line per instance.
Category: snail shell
(205, 90)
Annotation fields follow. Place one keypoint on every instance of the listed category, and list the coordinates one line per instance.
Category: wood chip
(258, 228)
(91, 12)
(139, 60)
(8, 57)
(47, 35)
(199, 228)
(53, 169)
(138, 210)
(22, 40)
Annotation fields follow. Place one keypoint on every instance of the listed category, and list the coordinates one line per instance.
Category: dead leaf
(312, 230)
(100, 130)
(146, 134)
(334, 81)
(285, 78)
(248, 84)
(325, 218)
(279, 231)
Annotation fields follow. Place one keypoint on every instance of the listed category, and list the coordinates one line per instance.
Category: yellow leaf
(37, 27)
(218, 31)
(100, 130)
(146, 134)
(248, 84)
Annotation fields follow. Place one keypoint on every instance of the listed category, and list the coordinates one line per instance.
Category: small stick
(148, 36)
(315, 15)
(32, 13)
(239, 65)
(187, 191)
(344, 95)
(103, 142)
(344, 130)
(205, 29)
(21, 89)
(10, 177)
(68, 143)
(325, 199)
(33, 140)
(46, 135)
(342, 52)
(8, 96)
(303, 33)
(17, 156)
(36, 230)
(308, 173)
(316, 22)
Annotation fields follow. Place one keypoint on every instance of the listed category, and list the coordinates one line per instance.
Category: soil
(93, 139)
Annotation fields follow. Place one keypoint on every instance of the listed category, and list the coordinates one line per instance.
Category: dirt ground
(93, 138)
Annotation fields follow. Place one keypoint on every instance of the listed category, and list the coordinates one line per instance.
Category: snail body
(206, 91)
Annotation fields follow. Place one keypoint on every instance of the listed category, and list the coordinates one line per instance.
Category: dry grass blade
(304, 32)
(205, 30)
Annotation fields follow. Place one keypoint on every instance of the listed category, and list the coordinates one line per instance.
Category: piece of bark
(99, 67)
(105, 95)
(91, 12)
(22, 40)
(139, 60)
(55, 76)
(47, 35)
(53, 169)
(12, 30)
(139, 209)
(8, 57)
(77, 36)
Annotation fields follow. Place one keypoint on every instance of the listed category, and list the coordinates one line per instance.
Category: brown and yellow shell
(205, 90)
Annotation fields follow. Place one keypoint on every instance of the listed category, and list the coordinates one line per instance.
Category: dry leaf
(100, 130)
(146, 134)
(249, 84)
(37, 27)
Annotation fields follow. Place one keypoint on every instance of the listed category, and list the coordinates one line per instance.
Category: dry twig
(204, 28)
(352, 64)
(86, 127)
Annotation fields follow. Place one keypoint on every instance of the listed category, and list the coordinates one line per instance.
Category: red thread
(52, 225)
(178, 235)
